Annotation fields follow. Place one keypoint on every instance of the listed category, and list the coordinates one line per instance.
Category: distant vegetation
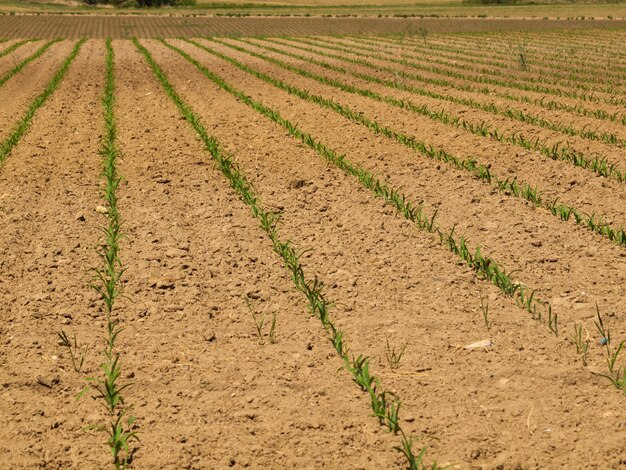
(140, 3)
(538, 2)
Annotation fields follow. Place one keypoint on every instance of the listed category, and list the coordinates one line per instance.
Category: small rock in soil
(485, 343)
(48, 381)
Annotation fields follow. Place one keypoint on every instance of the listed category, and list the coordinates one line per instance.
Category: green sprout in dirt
(582, 345)
(260, 322)
(616, 374)
(384, 404)
(121, 429)
(394, 357)
(77, 352)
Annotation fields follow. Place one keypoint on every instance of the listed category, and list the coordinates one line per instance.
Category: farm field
(349, 251)
(597, 9)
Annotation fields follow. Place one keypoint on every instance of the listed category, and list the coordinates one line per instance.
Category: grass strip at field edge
(7, 146)
(27, 60)
(506, 186)
(386, 411)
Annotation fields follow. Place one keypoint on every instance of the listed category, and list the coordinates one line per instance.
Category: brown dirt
(47, 252)
(10, 60)
(558, 179)
(207, 393)
(17, 93)
(333, 215)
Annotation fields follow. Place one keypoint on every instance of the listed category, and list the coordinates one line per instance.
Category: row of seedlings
(566, 54)
(504, 60)
(585, 96)
(486, 267)
(508, 186)
(23, 125)
(385, 404)
(500, 69)
(120, 427)
(508, 112)
(544, 102)
(38, 53)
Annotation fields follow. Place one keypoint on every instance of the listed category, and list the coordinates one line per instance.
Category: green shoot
(394, 357)
(77, 353)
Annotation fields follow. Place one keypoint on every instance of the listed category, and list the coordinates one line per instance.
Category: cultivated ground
(598, 9)
(387, 200)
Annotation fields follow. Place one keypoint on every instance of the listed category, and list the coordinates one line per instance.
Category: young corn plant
(121, 429)
(313, 289)
(508, 186)
(24, 123)
(78, 353)
(582, 345)
(394, 357)
(616, 374)
(485, 267)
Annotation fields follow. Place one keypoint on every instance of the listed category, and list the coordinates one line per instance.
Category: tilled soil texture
(148, 26)
(208, 384)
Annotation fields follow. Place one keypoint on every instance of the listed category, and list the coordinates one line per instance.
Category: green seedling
(617, 376)
(484, 307)
(77, 352)
(260, 322)
(313, 290)
(582, 345)
(507, 186)
(394, 357)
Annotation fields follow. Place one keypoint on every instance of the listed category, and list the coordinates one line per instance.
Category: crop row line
(385, 405)
(599, 165)
(502, 62)
(26, 61)
(505, 55)
(22, 126)
(120, 427)
(486, 267)
(472, 165)
(585, 133)
(549, 105)
(589, 60)
(471, 78)
(14, 46)
(583, 52)
(494, 69)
